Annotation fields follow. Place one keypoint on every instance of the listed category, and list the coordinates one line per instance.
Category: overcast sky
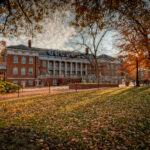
(56, 35)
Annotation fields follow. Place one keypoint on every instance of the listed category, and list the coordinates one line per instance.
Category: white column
(76, 68)
(81, 69)
(86, 69)
(65, 68)
(47, 66)
(53, 68)
(60, 68)
(71, 69)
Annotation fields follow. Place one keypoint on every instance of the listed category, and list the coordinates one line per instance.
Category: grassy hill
(115, 118)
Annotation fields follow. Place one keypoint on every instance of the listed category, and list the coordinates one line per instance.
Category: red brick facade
(28, 67)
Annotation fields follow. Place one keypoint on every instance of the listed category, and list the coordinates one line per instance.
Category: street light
(137, 69)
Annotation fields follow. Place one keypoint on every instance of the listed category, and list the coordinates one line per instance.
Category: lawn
(114, 118)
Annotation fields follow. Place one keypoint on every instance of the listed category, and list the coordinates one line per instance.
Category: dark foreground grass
(116, 118)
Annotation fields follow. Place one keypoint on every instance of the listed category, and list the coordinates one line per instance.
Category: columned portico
(71, 69)
(76, 68)
(81, 69)
(86, 69)
(60, 68)
(53, 68)
(65, 68)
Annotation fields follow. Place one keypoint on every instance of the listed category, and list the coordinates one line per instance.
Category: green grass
(115, 118)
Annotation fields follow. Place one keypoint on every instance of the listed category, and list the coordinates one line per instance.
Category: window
(15, 81)
(30, 71)
(30, 60)
(30, 82)
(107, 66)
(23, 83)
(44, 63)
(112, 66)
(57, 72)
(116, 66)
(23, 60)
(44, 72)
(15, 70)
(15, 59)
(23, 71)
(51, 72)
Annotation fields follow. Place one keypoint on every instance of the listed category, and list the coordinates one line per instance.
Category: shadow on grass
(24, 139)
(134, 90)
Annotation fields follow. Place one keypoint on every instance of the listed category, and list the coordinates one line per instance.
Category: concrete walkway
(38, 91)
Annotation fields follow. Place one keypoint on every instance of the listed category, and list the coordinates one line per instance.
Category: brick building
(29, 66)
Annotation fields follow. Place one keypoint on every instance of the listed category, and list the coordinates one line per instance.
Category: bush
(8, 87)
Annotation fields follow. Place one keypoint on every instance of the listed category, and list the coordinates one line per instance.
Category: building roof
(61, 53)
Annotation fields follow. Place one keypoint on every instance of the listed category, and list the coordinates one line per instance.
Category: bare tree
(90, 38)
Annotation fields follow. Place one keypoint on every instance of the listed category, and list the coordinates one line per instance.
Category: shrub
(8, 87)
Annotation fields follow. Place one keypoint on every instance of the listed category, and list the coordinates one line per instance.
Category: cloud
(56, 32)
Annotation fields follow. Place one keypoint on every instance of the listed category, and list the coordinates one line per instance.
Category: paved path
(38, 91)
(35, 91)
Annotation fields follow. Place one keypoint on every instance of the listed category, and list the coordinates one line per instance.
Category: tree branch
(9, 14)
(26, 16)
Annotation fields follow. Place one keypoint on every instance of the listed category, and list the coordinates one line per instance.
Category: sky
(56, 35)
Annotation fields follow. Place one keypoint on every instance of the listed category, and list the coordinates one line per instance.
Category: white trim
(19, 78)
(22, 52)
(62, 59)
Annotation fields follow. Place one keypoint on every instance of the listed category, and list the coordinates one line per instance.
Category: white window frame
(44, 63)
(30, 70)
(23, 60)
(30, 60)
(15, 72)
(15, 81)
(30, 82)
(22, 71)
(23, 83)
(15, 59)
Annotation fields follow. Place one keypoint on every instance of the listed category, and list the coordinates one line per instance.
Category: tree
(134, 21)
(131, 53)
(89, 39)
(128, 14)
(25, 16)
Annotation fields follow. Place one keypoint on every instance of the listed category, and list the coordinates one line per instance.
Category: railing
(50, 68)
(59, 76)
(62, 68)
(2, 65)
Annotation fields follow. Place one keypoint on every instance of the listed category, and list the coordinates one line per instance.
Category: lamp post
(137, 69)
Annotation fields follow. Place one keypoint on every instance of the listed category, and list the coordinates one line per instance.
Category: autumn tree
(134, 21)
(128, 14)
(25, 16)
(132, 53)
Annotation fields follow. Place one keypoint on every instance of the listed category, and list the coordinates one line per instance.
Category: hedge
(8, 87)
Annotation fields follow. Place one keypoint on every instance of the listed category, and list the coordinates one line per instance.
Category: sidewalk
(35, 91)
(41, 91)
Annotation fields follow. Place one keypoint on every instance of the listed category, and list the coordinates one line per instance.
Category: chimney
(29, 43)
(2, 47)
(86, 51)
